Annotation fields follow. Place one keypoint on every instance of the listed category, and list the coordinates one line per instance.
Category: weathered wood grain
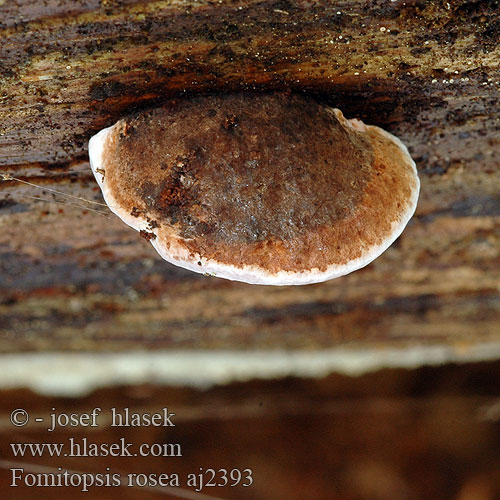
(425, 70)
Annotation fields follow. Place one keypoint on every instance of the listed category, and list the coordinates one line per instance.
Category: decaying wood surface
(425, 70)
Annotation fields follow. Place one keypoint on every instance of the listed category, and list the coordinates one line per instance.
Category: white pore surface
(179, 256)
(76, 374)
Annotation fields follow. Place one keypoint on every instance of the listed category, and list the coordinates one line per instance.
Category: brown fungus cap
(264, 188)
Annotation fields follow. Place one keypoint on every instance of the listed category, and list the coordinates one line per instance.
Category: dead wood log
(426, 70)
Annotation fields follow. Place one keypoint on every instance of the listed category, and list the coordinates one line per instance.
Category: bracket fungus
(273, 189)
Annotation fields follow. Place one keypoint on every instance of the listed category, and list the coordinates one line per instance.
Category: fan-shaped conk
(273, 189)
